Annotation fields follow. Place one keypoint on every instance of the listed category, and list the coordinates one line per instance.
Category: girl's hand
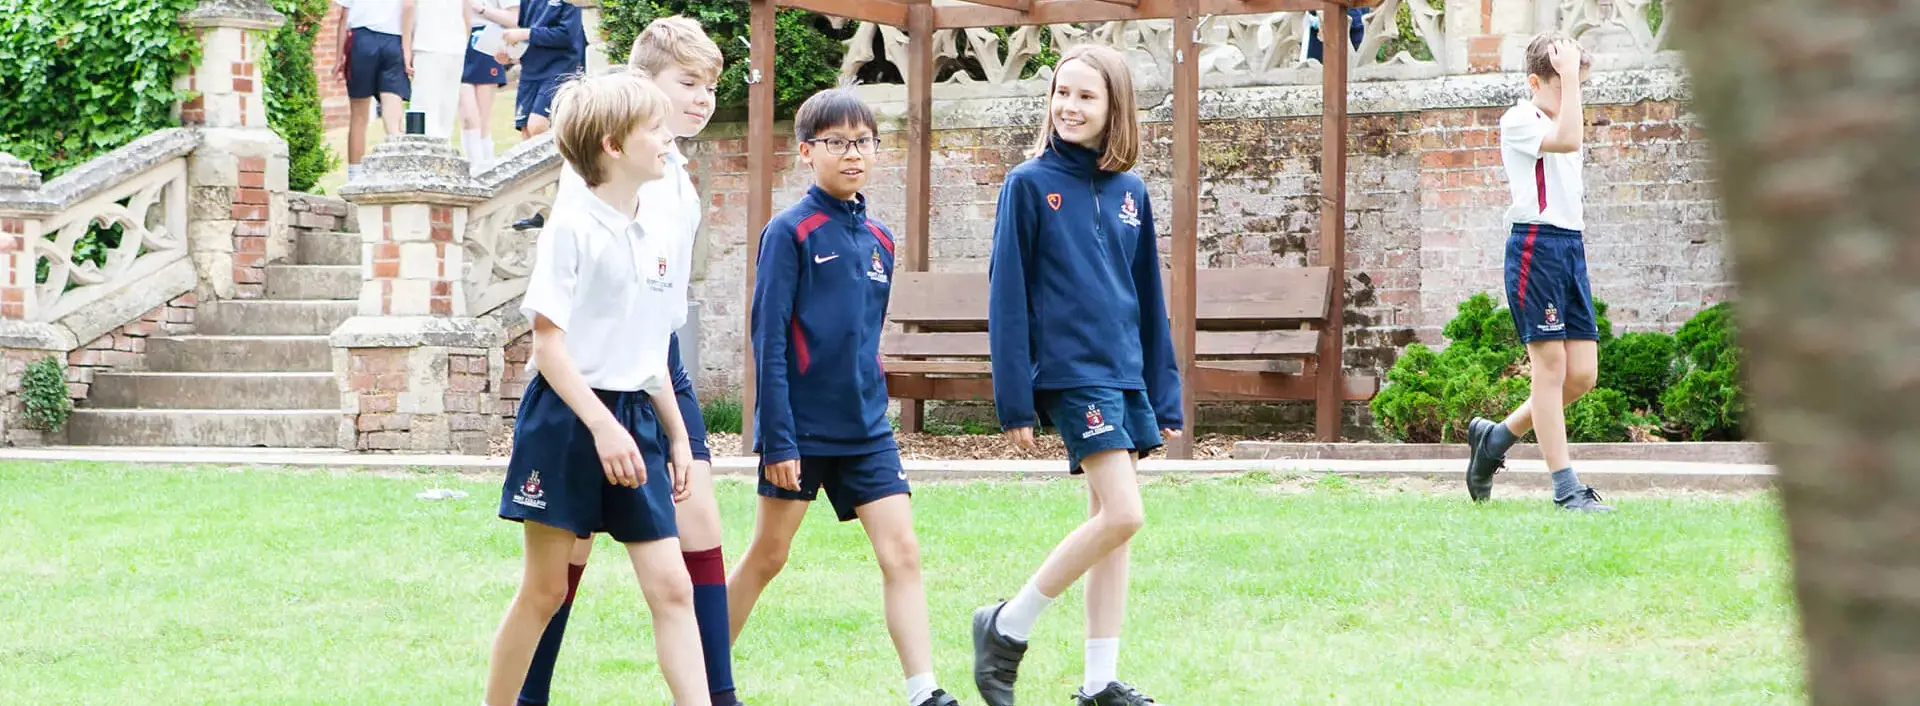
(1169, 434)
(785, 474)
(1021, 438)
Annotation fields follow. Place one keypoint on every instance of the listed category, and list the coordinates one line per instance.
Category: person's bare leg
(359, 110)
(536, 125)
(392, 109)
(1111, 479)
(774, 525)
(1549, 360)
(1583, 372)
(543, 586)
(676, 636)
(1107, 580)
(889, 525)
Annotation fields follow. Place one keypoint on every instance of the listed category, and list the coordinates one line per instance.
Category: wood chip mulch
(971, 447)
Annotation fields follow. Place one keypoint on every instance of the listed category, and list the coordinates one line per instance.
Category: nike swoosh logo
(818, 259)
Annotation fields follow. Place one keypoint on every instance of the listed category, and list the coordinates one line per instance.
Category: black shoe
(996, 657)
(533, 222)
(940, 698)
(726, 699)
(1481, 461)
(1584, 500)
(1116, 694)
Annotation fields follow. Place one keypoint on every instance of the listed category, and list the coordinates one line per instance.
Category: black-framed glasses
(838, 147)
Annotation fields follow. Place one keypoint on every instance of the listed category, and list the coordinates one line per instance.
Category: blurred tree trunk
(1812, 109)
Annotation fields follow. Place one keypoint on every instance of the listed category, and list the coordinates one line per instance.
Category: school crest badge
(1096, 423)
(1553, 315)
(663, 267)
(531, 494)
(1054, 201)
(878, 271)
(1552, 318)
(1129, 213)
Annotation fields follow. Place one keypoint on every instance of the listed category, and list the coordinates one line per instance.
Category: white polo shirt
(602, 278)
(1546, 186)
(378, 15)
(438, 28)
(669, 209)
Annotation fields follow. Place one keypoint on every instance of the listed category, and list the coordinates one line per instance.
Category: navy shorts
(555, 477)
(1547, 289)
(534, 98)
(850, 481)
(1095, 419)
(375, 65)
(481, 69)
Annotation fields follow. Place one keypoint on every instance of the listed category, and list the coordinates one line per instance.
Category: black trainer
(996, 657)
(1482, 463)
(533, 222)
(1116, 694)
(727, 699)
(1585, 500)
(940, 698)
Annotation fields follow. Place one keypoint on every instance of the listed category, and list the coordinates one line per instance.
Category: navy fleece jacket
(819, 300)
(556, 41)
(689, 403)
(1074, 288)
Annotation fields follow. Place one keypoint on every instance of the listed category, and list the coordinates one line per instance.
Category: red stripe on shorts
(1526, 263)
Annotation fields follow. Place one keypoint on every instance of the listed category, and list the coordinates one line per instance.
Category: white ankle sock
(1103, 664)
(475, 147)
(920, 687)
(1017, 618)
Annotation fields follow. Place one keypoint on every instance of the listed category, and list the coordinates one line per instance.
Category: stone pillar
(417, 372)
(597, 60)
(238, 176)
(24, 338)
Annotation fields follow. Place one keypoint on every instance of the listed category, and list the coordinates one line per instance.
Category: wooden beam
(760, 159)
(1183, 307)
(1046, 12)
(1226, 384)
(1333, 219)
(1019, 5)
(932, 388)
(888, 12)
(919, 79)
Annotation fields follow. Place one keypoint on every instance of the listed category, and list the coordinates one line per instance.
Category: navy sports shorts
(534, 98)
(481, 69)
(555, 477)
(375, 65)
(1547, 289)
(1095, 419)
(850, 481)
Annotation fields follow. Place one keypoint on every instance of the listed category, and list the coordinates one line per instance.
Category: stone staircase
(255, 372)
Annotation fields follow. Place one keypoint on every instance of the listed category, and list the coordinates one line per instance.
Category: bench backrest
(1240, 298)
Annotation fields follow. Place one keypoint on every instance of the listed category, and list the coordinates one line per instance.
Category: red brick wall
(125, 348)
(326, 60)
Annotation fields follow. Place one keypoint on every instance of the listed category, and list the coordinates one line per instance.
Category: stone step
(277, 317)
(149, 390)
(240, 354)
(314, 428)
(328, 249)
(318, 282)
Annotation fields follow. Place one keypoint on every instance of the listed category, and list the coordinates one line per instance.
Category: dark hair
(829, 109)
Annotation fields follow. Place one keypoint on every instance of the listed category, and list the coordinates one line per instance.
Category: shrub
(44, 389)
(1602, 415)
(722, 415)
(1409, 408)
(293, 93)
(1639, 365)
(82, 77)
(1708, 404)
(1707, 335)
(809, 58)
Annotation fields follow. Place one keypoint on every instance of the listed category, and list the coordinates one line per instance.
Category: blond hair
(591, 111)
(676, 41)
(1123, 122)
(1540, 62)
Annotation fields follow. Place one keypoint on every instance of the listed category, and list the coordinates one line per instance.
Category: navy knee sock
(709, 572)
(540, 673)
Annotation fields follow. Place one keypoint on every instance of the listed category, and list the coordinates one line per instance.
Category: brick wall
(515, 377)
(1425, 201)
(420, 399)
(125, 348)
(326, 60)
(309, 213)
(251, 206)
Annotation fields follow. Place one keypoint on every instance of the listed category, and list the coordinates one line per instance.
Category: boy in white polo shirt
(1547, 289)
(586, 447)
(439, 54)
(376, 58)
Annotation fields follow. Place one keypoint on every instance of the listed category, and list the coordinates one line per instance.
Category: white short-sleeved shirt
(507, 6)
(438, 27)
(604, 280)
(378, 15)
(1546, 186)
(669, 209)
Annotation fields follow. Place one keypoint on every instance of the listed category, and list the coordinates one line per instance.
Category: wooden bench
(1258, 334)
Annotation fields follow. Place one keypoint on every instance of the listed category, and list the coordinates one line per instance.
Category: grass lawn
(214, 585)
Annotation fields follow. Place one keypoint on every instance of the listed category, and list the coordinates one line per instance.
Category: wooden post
(919, 165)
(1186, 217)
(760, 159)
(1330, 370)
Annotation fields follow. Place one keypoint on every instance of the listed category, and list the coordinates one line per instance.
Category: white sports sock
(1103, 664)
(475, 146)
(1017, 618)
(920, 687)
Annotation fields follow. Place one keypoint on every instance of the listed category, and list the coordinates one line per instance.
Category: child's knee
(766, 557)
(898, 556)
(1582, 381)
(1122, 520)
(543, 596)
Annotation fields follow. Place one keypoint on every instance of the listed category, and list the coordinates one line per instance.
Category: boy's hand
(406, 55)
(785, 474)
(1021, 438)
(503, 57)
(619, 456)
(699, 469)
(340, 67)
(1169, 434)
(1565, 57)
(682, 469)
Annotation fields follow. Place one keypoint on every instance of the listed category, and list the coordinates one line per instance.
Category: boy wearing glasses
(819, 301)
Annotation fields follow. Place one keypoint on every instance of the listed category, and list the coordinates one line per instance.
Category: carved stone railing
(140, 188)
(498, 257)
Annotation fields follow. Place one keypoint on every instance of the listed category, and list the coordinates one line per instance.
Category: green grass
(227, 586)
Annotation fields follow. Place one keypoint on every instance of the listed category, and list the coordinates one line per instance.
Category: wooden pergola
(921, 18)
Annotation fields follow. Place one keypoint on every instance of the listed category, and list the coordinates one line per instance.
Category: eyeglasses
(838, 147)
